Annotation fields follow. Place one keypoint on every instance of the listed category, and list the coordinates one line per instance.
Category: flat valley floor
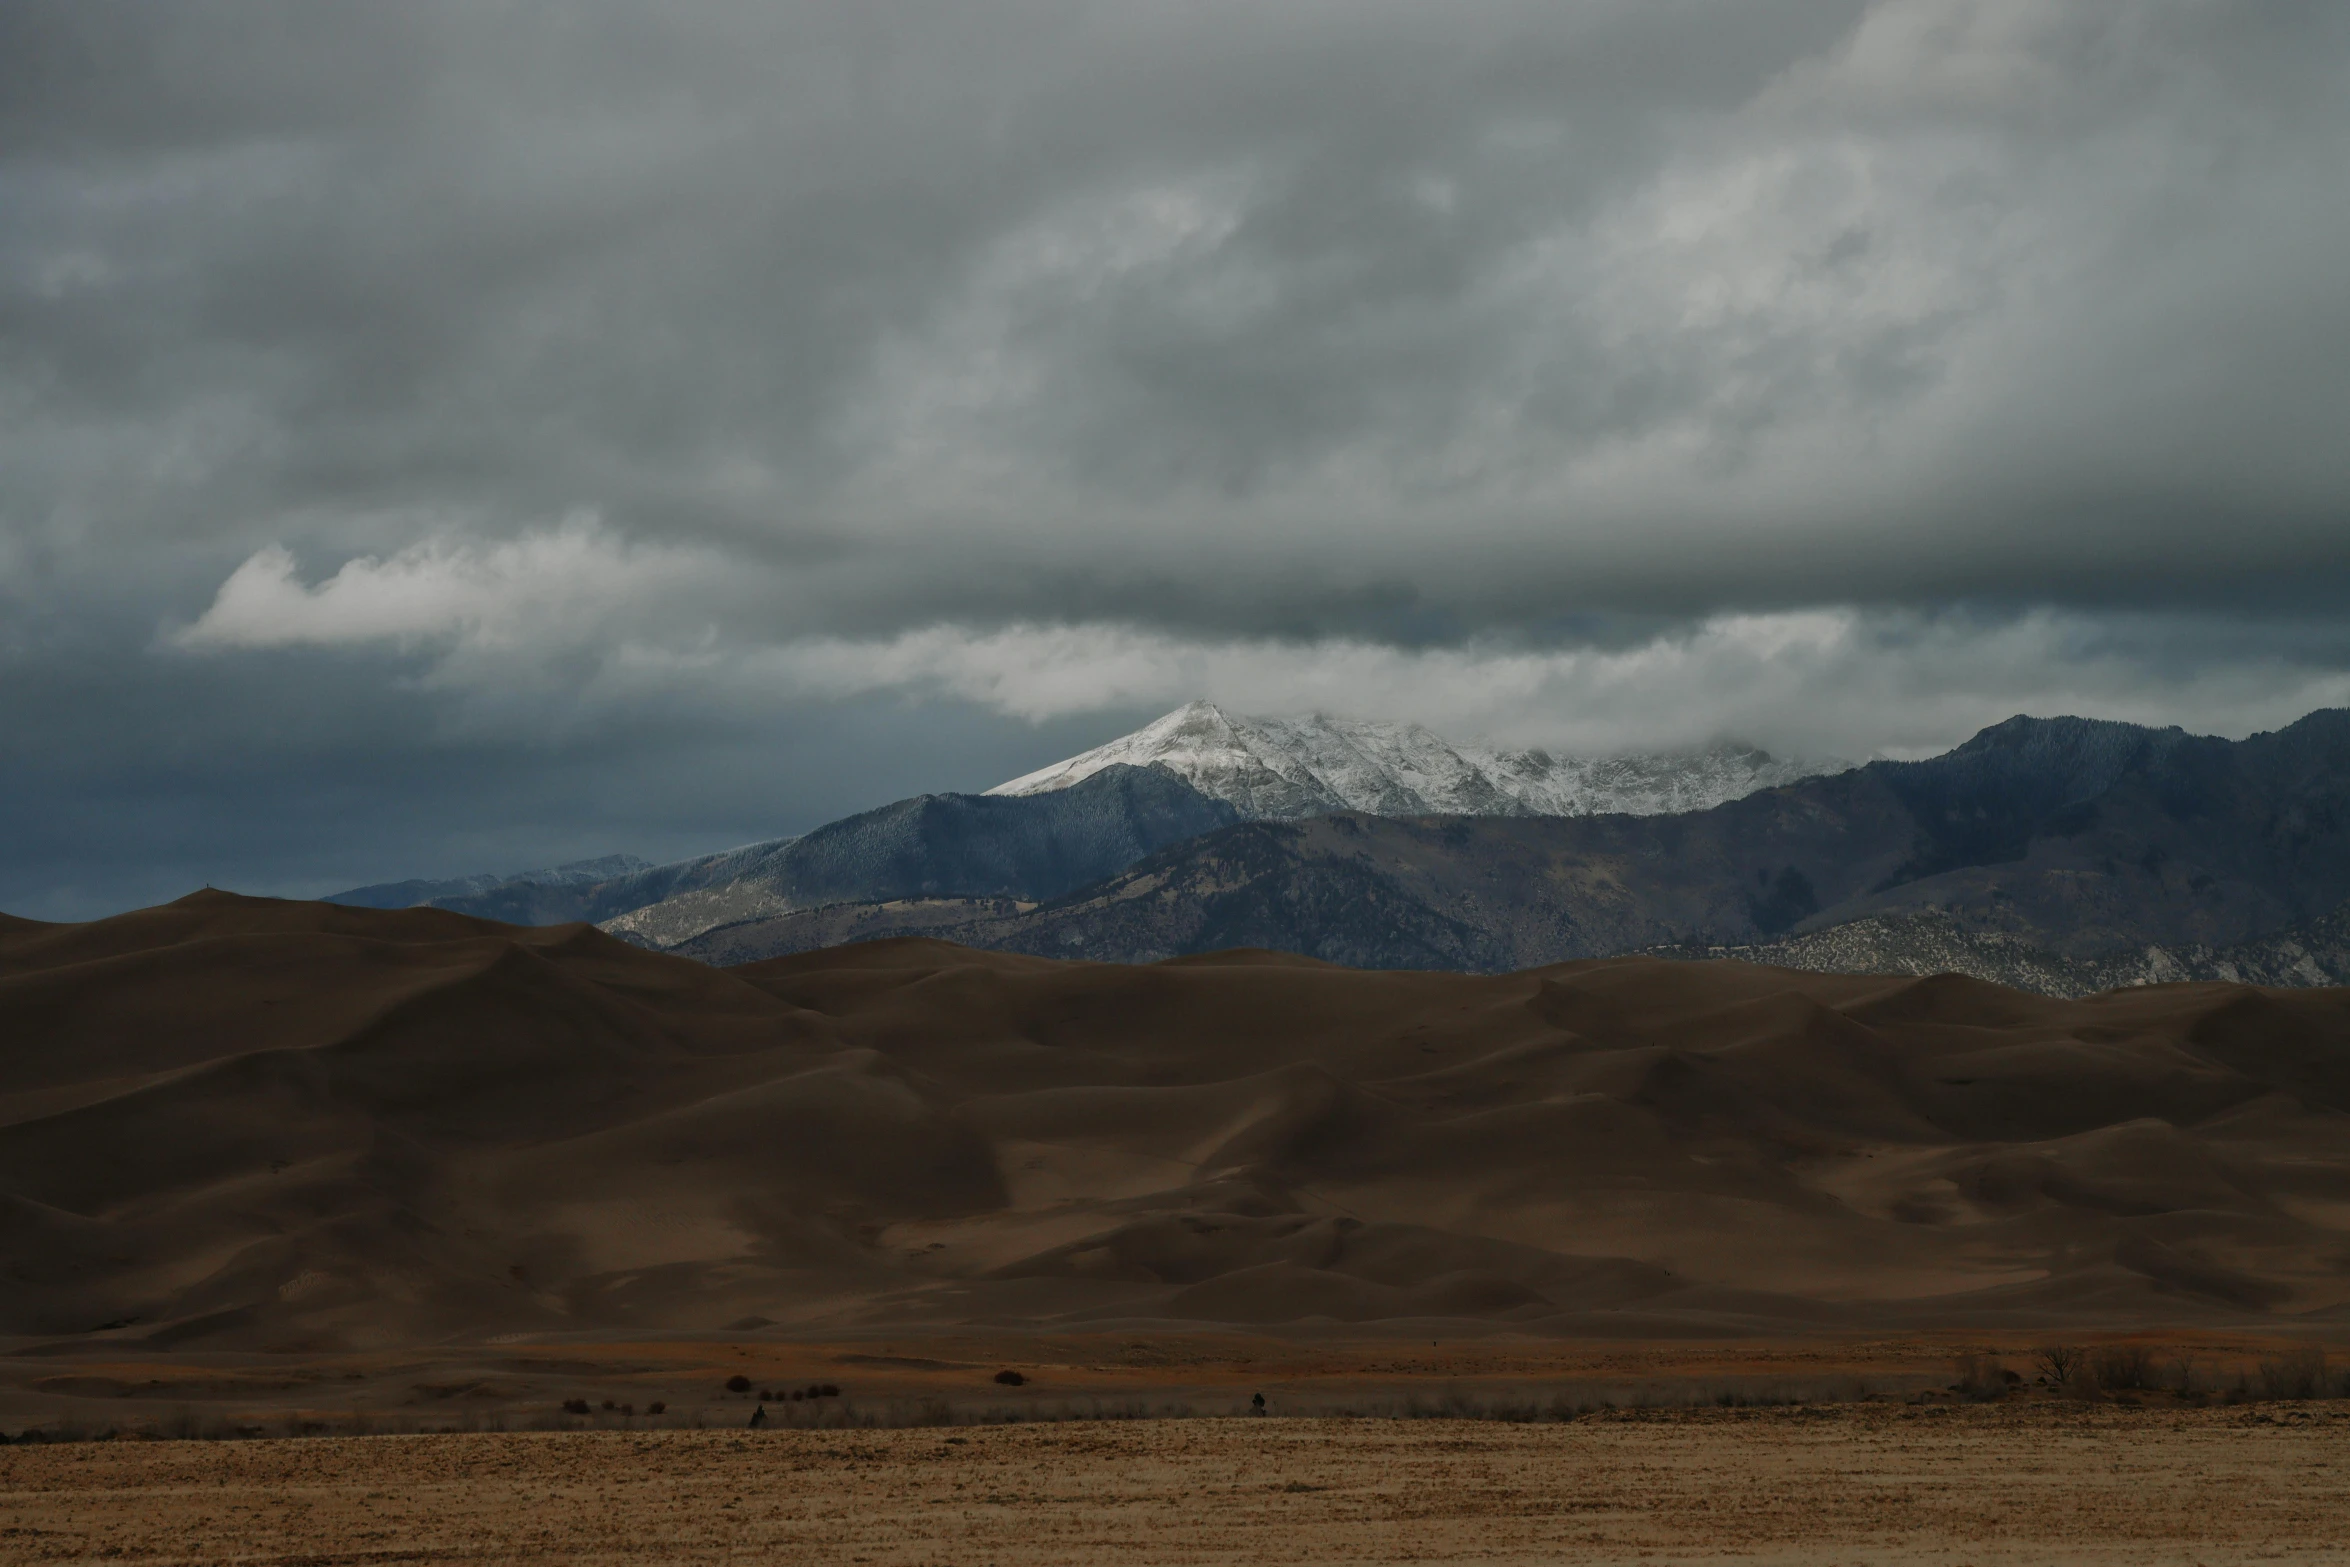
(2023, 1482)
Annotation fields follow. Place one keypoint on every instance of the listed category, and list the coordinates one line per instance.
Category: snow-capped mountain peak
(1270, 767)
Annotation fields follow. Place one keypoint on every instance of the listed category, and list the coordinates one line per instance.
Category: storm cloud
(445, 436)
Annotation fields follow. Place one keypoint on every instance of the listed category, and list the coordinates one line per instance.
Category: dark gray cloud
(656, 406)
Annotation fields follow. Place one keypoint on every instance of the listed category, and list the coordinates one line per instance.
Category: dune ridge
(251, 1123)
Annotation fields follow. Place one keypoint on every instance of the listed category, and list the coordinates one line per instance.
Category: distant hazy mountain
(410, 894)
(1274, 769)
(2087, 839)
(1026, 848)
(586, 890)
(933, 845)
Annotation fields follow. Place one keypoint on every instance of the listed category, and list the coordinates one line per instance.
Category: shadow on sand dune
(249, 1123)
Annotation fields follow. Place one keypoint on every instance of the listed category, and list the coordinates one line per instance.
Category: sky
(466, 436)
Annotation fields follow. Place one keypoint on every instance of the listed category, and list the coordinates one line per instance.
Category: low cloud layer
(596, 630)
(939, 386)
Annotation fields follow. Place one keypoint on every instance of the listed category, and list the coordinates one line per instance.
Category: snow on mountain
(1304, 767)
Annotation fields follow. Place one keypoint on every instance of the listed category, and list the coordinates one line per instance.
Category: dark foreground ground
(2020, 1481)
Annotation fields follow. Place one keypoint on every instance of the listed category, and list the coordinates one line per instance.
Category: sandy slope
(246, 1123)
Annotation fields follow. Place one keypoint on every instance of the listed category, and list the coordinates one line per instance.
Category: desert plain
(1497, 1447)
(337, 1235)
(1881, 1483)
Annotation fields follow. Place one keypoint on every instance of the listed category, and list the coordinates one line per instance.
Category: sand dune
(258, 1124)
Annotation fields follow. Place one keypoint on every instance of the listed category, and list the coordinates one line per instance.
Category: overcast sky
(442, 437)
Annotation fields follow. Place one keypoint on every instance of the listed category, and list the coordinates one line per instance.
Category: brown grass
(2016, 1481)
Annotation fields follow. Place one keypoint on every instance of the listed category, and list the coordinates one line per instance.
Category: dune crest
(257, 1123)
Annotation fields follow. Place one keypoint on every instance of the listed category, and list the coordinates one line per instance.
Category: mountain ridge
(1261, 768)
(452, 890)
(2308, 954)
(1279, 769)
(2077, 836)
(967, 844)
(1029, 848)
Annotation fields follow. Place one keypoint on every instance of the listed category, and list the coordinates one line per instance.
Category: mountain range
(552, 882)
(2063, 855)
(1088, 817)
(2081, 837)
(1279, 769)
(2306, 953)
(969, 844)
(932, 843)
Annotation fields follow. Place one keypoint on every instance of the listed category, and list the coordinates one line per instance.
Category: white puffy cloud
(563, 586)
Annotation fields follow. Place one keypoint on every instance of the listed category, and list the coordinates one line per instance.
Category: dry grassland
(2043, 1482)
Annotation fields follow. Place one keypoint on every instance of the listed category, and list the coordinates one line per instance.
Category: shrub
(1010, 1378)
(656, 1407)
(2059, 1364)
(827, 1391)
(1980, 1377)
(2300, 1374)
(2124, 1367)
(576, 1406)
(738, 1384)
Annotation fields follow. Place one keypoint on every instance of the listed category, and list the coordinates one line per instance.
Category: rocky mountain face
(603, 900)
(2082, 838)
(1216, 769)
(965, 844)
(2313, 952)
(1282, 769)
(612, 885)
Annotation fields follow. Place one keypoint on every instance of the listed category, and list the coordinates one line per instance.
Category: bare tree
(2061, 1364)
